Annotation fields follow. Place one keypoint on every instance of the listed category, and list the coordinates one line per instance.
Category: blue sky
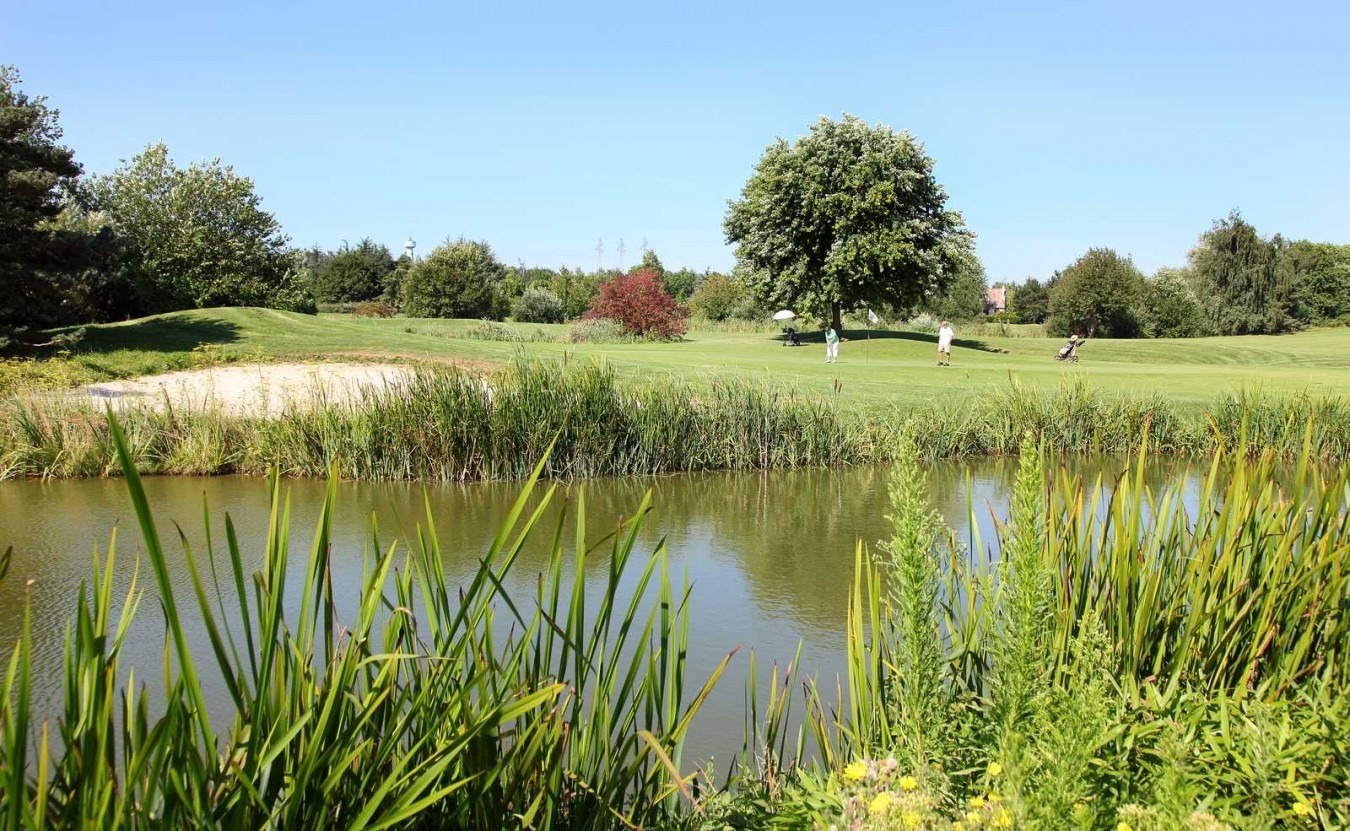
(546, 128)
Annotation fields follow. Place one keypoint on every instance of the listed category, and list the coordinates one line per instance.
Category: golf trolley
(1069, 351)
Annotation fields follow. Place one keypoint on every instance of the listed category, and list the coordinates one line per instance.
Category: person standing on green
(831, 345)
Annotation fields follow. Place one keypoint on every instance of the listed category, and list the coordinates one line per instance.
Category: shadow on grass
(817, 337)
(166, 333)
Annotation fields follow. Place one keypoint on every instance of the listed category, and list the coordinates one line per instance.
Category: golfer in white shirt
(945, 333)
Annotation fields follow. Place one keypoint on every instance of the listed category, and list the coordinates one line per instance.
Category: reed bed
(1124, 661)
(432, 706)
(453, 425)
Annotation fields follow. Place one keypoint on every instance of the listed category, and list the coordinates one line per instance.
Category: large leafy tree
(1318, 276)
(41, 256)
(197, 237)
(458, 279)
(1030, 301)
(1170, 308)
(354, 274)
(848, 215)
(1097, 296)
(964, 297)
(1237, 278)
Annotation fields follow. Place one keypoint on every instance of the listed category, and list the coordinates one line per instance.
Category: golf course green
(883, 369)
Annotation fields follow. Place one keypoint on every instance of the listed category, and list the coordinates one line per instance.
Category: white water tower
(409, 245)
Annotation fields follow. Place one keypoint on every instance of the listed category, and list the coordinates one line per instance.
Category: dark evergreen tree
(1237, 278)
(42, 259)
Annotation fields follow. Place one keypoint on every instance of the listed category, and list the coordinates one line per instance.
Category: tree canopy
(847, 215)
(1097, 296)
(1238, 280)
(1030, 301)
(1318, 276)
(38, 254)
(1170, 307)
(354, 274)
(458, 279)
(196, 237)
(964, 297)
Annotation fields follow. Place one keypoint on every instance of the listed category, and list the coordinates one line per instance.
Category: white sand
(249, 389)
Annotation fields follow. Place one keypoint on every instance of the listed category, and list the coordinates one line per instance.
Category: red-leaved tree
(640, 305)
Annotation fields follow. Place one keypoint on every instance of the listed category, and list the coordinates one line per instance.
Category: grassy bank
(1133, 665)
(453, 425)
(891, 369)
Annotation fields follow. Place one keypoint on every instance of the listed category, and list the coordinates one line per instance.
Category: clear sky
(545, 128)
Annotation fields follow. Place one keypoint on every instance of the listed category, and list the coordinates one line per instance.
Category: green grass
(893, 368)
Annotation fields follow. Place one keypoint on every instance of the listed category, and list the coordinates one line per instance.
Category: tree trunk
(836, 319)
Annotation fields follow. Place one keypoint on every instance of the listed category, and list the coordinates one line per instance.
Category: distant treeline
(1236, 282)
(152, 237)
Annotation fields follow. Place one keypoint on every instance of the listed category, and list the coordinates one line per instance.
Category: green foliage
(197, 237)
(538, 305)
(576, 289)
(458, 279)
(963, 298)
(682, 284)
(918, 697)
(42, 259)
(719, 297)
(386, 718)
(1170, 308)
(1124, 660)
(1238, 279)
(848, 215)
(354, 274)
(1097, 296)
(1318, 275)
(1030, 301)
(651, 262)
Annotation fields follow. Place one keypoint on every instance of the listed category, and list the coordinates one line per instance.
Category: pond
(769, 555)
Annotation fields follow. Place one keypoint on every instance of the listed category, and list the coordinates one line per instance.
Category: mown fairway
(893, 368)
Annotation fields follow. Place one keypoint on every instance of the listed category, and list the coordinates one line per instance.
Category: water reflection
(769, 555)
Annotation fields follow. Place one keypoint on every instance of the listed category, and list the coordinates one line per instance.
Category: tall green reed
(432, 705)
(452, 425)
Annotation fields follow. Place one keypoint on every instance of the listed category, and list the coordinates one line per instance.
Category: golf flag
(871, 317)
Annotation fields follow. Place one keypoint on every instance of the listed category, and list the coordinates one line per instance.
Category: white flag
(871, 316)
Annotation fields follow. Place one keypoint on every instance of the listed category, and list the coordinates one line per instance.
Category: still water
(769, 556)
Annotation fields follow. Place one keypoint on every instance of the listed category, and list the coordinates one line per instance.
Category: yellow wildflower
(908, 783)
(880, 803)
(977, 801)
(1003, 819)
(855, 771)
(1124, 826)
(995, 798)
(910, 819)
(973, 817)
(1303, 809)
(995, 769)
(958, 826)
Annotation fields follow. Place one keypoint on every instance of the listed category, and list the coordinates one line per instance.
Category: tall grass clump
(1124, 659)
(425, 705)
(455, 425)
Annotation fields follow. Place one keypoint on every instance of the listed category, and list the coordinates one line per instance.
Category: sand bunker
(250, 389)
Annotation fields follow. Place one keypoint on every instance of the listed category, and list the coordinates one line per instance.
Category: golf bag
(1068, 352)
